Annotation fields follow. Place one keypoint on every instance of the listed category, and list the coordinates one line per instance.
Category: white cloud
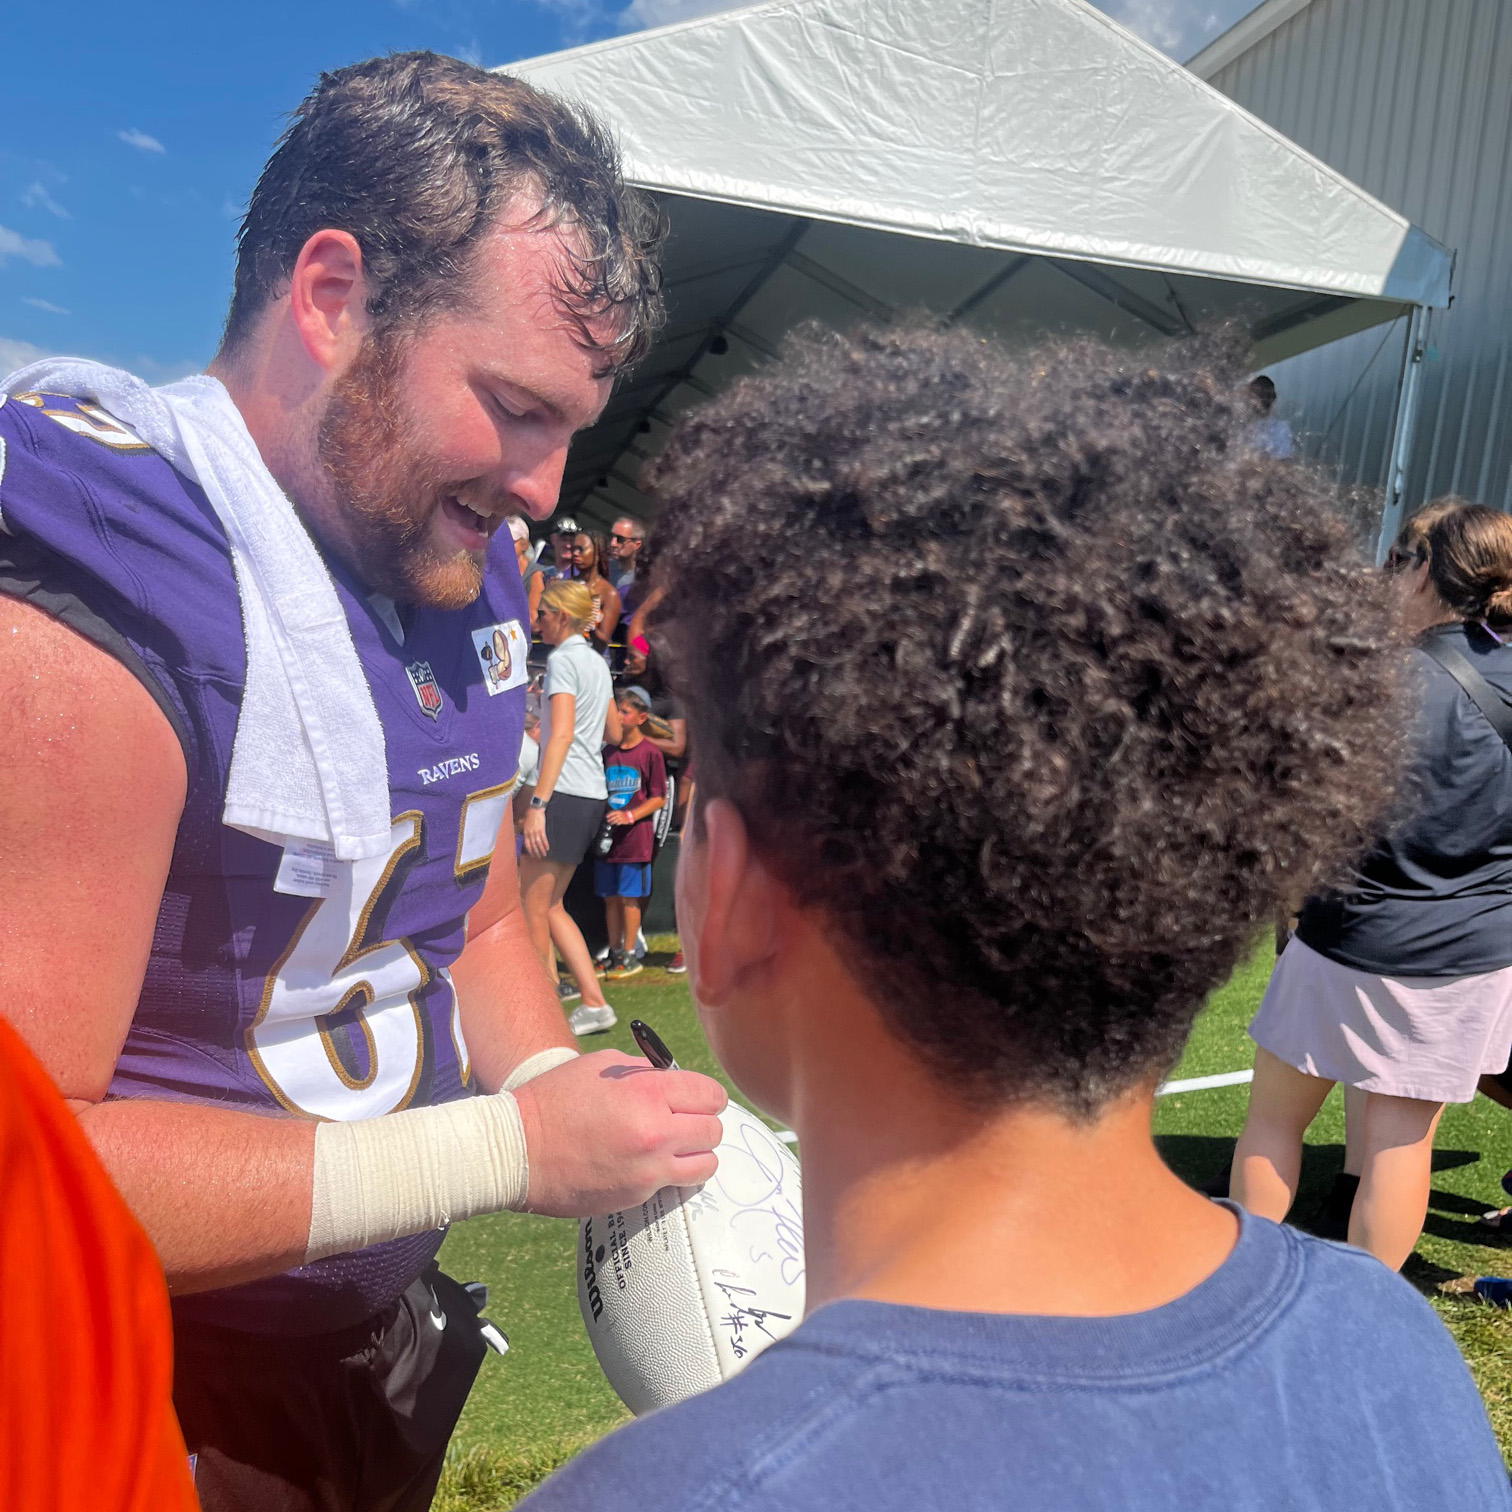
(39, 254)
(580, 18)
(163, 372)
(36, 197)
(664, 12)
(16, 354)
(48, 305)
(140, 139)
(1180, 28)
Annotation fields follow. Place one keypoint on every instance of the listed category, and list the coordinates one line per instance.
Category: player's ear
(328, 297)
(732, 915)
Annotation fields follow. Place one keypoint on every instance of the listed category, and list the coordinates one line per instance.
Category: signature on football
(742, 1317)
(751, 1176)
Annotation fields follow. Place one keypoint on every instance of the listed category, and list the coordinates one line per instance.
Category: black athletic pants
(356, 1421)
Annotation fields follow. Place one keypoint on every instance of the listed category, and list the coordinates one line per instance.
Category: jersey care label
(309, 869)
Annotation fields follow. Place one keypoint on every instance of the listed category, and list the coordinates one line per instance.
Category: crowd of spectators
(616, 756)
(1396, 984)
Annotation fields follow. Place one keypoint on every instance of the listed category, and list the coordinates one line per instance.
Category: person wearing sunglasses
(625, 542)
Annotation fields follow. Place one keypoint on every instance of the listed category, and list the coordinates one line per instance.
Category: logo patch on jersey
(427, 689)
(502, 650)
(86, 419)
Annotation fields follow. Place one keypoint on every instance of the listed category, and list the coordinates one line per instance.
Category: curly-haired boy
(1025, 691)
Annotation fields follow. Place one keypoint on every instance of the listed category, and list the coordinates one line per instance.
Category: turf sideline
(1202, 1083)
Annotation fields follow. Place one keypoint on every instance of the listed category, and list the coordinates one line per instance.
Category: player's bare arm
(94, 790)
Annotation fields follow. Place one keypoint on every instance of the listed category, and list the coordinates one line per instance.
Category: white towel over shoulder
(309, 761)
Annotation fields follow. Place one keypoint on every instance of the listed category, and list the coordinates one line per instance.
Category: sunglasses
(620, 540)
(1398, 560)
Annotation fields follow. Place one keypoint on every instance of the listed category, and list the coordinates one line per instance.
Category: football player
(288, 1062)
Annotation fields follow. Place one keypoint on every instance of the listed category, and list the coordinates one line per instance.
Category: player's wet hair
(415, 155)
(1032, 675)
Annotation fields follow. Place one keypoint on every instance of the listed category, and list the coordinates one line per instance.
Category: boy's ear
(736, 913)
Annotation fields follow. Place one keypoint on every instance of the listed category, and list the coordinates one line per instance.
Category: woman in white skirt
(1401, 987)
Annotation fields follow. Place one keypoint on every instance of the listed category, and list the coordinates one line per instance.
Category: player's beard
(388, 488)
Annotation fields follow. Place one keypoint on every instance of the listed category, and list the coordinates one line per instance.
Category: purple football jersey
(280, 980)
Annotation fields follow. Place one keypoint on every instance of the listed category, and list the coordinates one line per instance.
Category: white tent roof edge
(949, 121)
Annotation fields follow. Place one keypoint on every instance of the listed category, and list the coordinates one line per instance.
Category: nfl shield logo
(427, 691)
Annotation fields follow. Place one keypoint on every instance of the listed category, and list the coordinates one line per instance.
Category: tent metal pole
(1402, 425)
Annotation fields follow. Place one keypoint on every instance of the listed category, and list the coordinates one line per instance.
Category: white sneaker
(600, 956)
(586, 1020)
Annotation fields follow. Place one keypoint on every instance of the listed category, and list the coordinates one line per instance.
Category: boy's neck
(912, 1196)
(630, 738)
(1028, 1214)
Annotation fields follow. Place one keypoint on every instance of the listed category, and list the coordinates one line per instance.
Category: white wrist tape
(541, 1061)
(404, 1173)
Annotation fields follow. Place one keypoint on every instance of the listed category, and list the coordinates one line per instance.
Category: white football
(685, 1290)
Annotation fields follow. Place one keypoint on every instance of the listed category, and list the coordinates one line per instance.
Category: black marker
(651, 1046)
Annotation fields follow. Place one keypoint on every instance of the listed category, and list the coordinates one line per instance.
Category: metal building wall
(1412, 99)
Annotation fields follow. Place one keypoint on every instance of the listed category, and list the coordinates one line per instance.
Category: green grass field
(535, 1408)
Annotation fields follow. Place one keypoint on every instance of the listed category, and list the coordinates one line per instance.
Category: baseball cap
(566, 526)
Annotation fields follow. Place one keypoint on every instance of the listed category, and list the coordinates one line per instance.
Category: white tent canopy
(1025, 165)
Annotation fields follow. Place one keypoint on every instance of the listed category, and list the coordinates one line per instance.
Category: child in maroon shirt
(636, 774)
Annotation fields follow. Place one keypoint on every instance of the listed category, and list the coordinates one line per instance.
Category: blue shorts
(622, 879)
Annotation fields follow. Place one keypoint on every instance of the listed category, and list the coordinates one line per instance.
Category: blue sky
(135, 135)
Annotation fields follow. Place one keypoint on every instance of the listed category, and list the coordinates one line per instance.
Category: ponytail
(1470, 562)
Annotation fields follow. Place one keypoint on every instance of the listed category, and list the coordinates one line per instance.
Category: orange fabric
(86, 1344)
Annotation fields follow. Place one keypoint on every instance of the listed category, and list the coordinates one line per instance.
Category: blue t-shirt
(1300, 1375)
